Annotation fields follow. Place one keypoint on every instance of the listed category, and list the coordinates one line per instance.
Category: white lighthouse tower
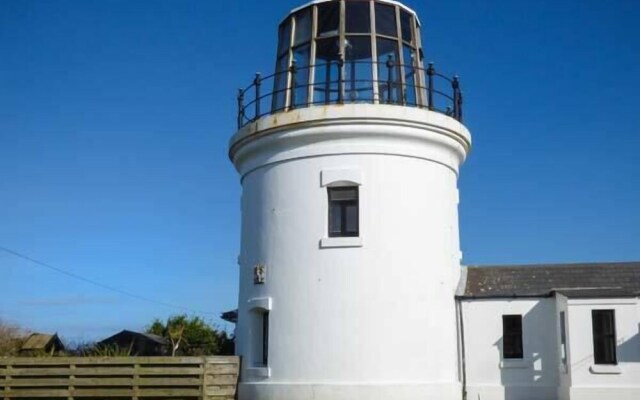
(349, 157)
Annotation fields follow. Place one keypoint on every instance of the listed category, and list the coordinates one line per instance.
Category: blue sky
(115, 118)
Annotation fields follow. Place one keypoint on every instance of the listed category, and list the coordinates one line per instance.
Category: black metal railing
(396, 84)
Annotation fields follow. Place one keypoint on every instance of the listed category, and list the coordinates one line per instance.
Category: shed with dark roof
(137, 343)
(41, 343)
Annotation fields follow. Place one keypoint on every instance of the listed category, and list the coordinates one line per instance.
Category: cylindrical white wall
(376, 319)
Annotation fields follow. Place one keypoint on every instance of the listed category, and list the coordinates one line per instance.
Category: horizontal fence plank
(125, 377)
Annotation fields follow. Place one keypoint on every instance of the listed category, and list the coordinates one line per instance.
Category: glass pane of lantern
(407, 26)
(358, 17)
(389, 84)
(280, 84)
(386, 20)
(303, 27)
(284, 38)
(358, 69)
(328, 19)
(301, 56)
(408, 54)
(326, 87)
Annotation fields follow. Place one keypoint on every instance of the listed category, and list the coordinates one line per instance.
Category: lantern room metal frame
(350, 51)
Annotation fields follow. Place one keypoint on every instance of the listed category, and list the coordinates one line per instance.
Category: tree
(191, 336)
(11, 339)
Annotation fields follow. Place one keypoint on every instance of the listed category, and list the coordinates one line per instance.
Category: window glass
(303, 27)
(358, 17)
(265, 338)
(386, 20)
(407, 26)
(301, 56)
(358, 69)
(389, 84)
(604, 337)
(280, 84)
(343, 212)
(408, 54)
(512, 336)
(284, 37)
(328, 19)
(563, 339)
(326, 87)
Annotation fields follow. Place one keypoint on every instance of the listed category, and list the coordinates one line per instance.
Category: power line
(101, 285)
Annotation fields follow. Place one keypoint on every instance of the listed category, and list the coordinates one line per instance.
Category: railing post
(340, 79)
(455, 84)
(256, 82)
(292, 89)
(431, 71)
(390, 65)
(240, 108)
(459, 105)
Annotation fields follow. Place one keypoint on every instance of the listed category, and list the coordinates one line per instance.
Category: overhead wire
(102, 285)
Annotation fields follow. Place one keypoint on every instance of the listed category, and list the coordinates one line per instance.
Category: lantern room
(349, 51)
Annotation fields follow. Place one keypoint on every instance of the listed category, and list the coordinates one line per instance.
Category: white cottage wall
(489, 376)
(597, 382)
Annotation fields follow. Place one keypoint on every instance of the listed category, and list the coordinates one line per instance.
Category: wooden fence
(205, 378)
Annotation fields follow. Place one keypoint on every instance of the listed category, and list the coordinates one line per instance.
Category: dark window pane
(327, 49)
(358, 17)
(335, 218)
(284, 37)
(563, 338)
(358, 69)
(265, 338)
(343, 211)
(512, 336)
(386, 20)
(280, 84)
(604, 337)
(346, 193)
(328, 19)
(301, 56)
(408, 54)
(352, 218)
(388, 91)
(407, 26)
(303, 27)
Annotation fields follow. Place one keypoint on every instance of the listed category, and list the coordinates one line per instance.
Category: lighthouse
(348, 156)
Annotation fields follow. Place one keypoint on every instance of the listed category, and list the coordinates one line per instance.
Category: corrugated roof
(541, 280)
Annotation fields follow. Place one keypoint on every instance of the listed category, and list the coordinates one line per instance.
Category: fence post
(72, 377)
(340, 79)
(455, 84)
(7, 383)
(390, 65)
(240, 108)
(431, 71)
(292, 88)
(256, 82)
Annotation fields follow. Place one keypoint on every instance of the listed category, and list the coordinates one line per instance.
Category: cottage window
(604, 336)
(563, 338)
(343, 211)
(512, 336)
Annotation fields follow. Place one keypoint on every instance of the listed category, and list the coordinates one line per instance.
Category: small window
(563, 339)
(512, 336)
(265, 338)
(604, 336)
(343, 212)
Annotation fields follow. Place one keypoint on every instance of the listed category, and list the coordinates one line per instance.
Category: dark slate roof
(542, 280)
(126, 333)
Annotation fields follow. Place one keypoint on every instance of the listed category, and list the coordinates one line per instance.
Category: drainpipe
(462, 350)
